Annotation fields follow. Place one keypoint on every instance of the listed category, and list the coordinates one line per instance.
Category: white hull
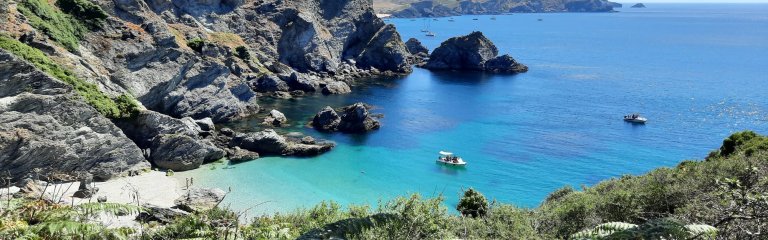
(636, 120)
(459, 163)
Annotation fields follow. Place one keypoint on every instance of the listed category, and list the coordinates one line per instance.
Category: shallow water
(699, 72)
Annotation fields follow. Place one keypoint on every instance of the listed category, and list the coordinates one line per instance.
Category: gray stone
(336, 88)
(327, 120)
(200, 199)
(275, 118)
(181, 153)
(238, 154)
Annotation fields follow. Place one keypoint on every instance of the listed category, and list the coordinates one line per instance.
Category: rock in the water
(638, 5)
(327, 120)
(504, 64)
(356, 119)
(266, 142)
(275, 119)
(463, 53)
(336, 88)
(45, 124)
(180, 152)
(308, 140)
(270, 83)
(414, 46)
(473, 52)
(200, 199)
(238, 154)
(385, 52)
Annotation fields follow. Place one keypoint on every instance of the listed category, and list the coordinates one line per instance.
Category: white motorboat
(430, 34)
(449, 159)
(635, 118)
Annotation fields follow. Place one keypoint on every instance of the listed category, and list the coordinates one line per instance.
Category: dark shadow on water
(449, 169)
(467, 77)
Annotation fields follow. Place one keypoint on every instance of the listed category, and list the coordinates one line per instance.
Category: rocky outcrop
(415, 47)
(275, 119)
(468, 7)
(504, 64)
(182, 153)
(269, 142)
(152, 213)
(200, 199)
(336, 88)
(473, 52)
(638, 5)
(176, 144)
(237, 154)
(354, 119)
(44, 124)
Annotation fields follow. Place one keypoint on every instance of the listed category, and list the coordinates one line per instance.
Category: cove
(526, 135)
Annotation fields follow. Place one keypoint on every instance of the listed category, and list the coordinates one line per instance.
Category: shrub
(473, 204)
(196, 44)
(91, 14)
(60, 27)
(128, 106)
(242, 53)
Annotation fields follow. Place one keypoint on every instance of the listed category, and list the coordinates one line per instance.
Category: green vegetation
(123, 106)
(196, 44)
(61, 27)
(39, 219)
(473, 204)
(90, 14)
(724, 197)
(242, 53)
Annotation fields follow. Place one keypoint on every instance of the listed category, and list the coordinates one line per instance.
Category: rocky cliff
(44, 124)
(472, 7)
(182, 60)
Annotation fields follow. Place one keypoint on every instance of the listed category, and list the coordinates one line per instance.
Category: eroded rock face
(237, 154)
(45, 124)
(473, 52)
(181, 153)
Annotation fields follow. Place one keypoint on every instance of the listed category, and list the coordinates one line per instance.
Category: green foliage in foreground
(473, 204)
(722, 197)
(59, 26)
(121, 107)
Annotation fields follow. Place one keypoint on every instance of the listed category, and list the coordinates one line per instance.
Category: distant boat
(449, 159)
(541, 19)
(493, 18)
(635, 118)
(435, 19)
(451, 20)
(430, 34)
(474, 19)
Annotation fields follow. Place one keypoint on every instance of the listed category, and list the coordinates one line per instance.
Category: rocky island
(638, 5)
(473, 52)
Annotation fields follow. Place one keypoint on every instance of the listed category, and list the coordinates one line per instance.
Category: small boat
(475, 19)
(541, 19)
(451, 20)
(435, 19)
(635, 118)
(449, 159)
(430, 34)
(493, 18)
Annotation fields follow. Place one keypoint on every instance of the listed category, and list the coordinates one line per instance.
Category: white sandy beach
(153, 187)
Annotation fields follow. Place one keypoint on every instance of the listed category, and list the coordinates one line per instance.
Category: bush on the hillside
(196, 44)
(59, 26)
(473, 204)
(89, 91)
(242, 53)
(91, 14)
(559, 193)
(128, 106)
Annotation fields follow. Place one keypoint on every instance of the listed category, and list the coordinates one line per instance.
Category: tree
(473, 204)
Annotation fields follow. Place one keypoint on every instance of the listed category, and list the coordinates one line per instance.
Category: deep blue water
(699, 72)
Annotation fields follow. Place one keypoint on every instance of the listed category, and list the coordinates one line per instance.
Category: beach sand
(153, 188)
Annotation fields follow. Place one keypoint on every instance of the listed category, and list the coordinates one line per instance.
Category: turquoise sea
(698, 72)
